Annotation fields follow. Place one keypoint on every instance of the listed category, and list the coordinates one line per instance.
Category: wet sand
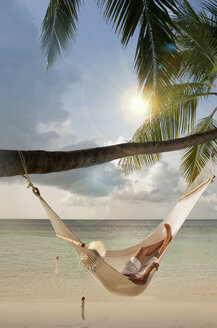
(154, 313)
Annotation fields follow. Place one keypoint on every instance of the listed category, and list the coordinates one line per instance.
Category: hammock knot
(26, 175)
(35, 191)
(30, 185)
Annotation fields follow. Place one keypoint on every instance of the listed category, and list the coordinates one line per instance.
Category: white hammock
(107, 270)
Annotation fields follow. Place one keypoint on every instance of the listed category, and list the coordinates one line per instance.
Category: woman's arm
(143, 279)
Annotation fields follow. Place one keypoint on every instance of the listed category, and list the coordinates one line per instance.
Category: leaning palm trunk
(39, 161)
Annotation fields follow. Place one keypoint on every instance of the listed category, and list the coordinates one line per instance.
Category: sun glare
(134, 106)
(138, 104)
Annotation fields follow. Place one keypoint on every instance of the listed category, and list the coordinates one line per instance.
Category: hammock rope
(106, 268)
(35, 190)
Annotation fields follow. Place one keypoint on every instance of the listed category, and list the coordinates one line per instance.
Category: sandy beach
(183, 292)
(169, 313)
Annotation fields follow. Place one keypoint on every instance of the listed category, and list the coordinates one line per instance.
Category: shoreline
(117, 299)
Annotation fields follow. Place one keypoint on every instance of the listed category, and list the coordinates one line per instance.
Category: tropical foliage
(59, 27)
(150, 17)
(196, 44)
(176, 57)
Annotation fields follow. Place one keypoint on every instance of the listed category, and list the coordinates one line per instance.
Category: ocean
(28, 250)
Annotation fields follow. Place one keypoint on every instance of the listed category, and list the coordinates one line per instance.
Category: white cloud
(84, 201)
(42, 111)
(160, 183)
(62, 131)
(97, 181)
(209, 198)
(29, 97)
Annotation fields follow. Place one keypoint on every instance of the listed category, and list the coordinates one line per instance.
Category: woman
(137, 269)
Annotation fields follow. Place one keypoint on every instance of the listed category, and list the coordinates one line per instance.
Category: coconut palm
(38, 161)
(196, 42)
(150, 17)
(190, 56)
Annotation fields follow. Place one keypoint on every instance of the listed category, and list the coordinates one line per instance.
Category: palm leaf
(198, 43)
(176, 115)
(195, 158)
(59, 28)
(177, 108)
(131, 164)
(155, 51)
(211, 7)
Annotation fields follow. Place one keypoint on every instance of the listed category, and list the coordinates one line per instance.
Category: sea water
(28, 250)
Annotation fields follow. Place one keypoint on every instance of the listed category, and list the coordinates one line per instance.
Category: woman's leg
(148, 250)
(166, 240)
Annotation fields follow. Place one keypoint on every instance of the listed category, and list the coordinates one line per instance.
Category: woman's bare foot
(166, 240)
(155, 265)
(168, 232)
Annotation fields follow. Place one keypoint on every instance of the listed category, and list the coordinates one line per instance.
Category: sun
(138, 104)
(134, 106)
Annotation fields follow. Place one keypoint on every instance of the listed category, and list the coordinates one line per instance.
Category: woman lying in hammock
(135, 268)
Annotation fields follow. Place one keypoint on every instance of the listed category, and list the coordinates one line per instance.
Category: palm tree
(176, 114)
(196, 42)
(59, 29)
(38, 161)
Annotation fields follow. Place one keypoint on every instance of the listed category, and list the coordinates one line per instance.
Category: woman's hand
(155, 265)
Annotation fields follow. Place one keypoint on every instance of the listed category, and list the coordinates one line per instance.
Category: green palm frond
(177, 108)
(131, 164)
(176, 115)
(157, 59)
(195, 158)
(211, 7)
(155, 51)
(59, 27)
(148, 131)
(198, 43)
(124, 15)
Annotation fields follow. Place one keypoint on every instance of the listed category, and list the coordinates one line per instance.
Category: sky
(84, 101)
